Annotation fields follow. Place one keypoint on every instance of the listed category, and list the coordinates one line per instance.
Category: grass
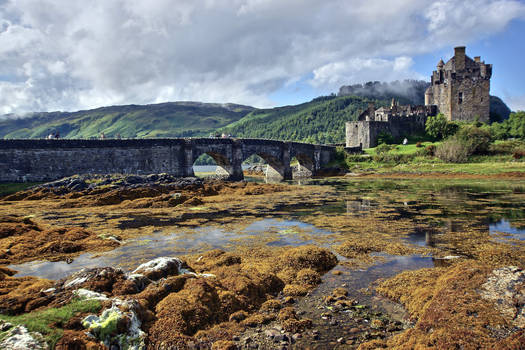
(403, 149)
(49, 322)
(10, 188)
(476, 165)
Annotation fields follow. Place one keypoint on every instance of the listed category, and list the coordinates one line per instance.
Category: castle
(459, 89)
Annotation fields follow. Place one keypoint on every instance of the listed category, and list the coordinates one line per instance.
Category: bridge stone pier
(45, 160)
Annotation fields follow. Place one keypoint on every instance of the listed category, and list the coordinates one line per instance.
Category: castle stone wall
(365, 133)
(461, 88)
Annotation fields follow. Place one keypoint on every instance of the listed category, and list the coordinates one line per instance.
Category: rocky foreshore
(200, 302)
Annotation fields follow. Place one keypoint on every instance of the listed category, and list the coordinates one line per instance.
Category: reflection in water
(447, 208)
(506, 226)
(358, 206)
(138, 250)
(422, 237)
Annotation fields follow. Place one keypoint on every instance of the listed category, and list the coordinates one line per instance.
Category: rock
(97, 279)
(238, 316)
(505, 289)
(159, 268)
(118, 325)
(89, 295)
(4, 326)
(19, 338)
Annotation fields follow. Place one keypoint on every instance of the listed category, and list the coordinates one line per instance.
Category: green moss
(10, 188)
(108, 326)
(48, 322)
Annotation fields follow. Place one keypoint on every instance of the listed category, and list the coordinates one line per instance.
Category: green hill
(321, 120)
(173, 119)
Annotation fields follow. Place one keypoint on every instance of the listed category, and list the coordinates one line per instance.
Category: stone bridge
(44, 160)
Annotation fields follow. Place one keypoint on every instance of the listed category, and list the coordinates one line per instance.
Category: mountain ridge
(321, 120)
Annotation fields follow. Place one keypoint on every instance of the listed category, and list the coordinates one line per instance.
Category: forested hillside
(320, 121)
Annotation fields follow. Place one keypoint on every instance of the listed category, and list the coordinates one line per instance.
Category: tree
(439, 127)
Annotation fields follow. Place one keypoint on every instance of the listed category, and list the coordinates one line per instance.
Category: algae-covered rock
(309, 257)
(118, 325)
(160, 267)
(97, 279)
(506, 288)
(19, 338)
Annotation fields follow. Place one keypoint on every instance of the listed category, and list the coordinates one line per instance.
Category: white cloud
(69, 54)
(360, 70)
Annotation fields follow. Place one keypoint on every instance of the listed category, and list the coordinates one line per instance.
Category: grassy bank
(45, 322)
(10, 188)
(414, 158)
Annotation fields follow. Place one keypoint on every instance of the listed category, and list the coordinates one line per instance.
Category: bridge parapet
(42, 160)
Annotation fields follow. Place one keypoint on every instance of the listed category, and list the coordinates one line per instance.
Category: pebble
(354, 330)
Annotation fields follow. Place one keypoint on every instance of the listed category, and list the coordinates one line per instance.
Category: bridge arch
(275, 167)
(223, 164)
(305, 165)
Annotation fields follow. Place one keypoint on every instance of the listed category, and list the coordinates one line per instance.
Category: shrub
(430, 150)
(383, 148)
(439, 127)
(393, 158)
(518, 154)
(385, 137)
(512, 127)
(453, 151)
(507, 147)
(476, 140)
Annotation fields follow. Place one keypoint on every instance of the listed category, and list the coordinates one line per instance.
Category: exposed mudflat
(340, 263)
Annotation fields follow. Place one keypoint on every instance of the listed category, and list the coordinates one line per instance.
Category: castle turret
(429, 96)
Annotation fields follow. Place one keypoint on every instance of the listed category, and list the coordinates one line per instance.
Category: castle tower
(460, 88)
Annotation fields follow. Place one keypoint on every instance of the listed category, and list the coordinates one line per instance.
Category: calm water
(136, 251)
(491, 207)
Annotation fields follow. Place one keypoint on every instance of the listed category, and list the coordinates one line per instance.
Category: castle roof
(469, 63)
(441, 63)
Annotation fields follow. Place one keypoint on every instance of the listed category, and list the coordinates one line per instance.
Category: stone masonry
(398, 121)
(461, 88)
(44, 160)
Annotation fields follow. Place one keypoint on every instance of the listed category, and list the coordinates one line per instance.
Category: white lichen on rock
(159, 267)
(89, 295)
(106, 326)
(19, 338)
(506, 288)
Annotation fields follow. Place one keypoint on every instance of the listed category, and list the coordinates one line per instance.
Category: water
(212, 168)
(184, 241)
(506, 227)
(443, 207)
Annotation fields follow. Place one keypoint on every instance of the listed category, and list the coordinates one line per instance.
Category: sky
(69, 54)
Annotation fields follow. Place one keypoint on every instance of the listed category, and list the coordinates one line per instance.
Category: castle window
(460, 101)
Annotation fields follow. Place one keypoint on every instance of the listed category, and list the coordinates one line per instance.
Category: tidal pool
(184, 241)
(431, 210)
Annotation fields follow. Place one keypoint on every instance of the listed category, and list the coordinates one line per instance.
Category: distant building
(396, 120)
(459, 89)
